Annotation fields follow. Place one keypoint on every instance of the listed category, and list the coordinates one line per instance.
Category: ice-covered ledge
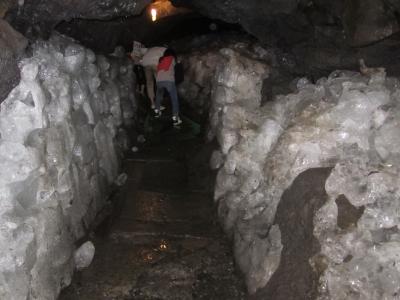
(58, 156)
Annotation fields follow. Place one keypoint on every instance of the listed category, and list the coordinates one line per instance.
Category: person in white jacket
(149, 60)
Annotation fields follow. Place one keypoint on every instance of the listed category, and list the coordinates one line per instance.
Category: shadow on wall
(12, 45)
(295, 278)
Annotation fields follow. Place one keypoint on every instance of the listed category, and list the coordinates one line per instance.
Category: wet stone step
(155, 206)
(163, 241)
(133, 229)
(167, 174)
(140, 238)
(158, 268)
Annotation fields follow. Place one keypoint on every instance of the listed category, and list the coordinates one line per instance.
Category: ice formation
(58, 154)
(202, 63)
(83, 256)
(348, 122)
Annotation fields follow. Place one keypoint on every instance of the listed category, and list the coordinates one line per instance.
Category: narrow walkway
(164, 243)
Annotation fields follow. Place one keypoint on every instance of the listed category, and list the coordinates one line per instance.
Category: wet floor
(164, 242)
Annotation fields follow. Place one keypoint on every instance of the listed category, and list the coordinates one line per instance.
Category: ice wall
(60, 150)
(204, 60)
(348, 122)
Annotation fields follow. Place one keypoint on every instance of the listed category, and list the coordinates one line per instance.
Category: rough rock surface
(294, 216)
(348, 122)
(369, 21)
(316, 36)
(59, 155)
(12, 45)
(38, 17)
(270, 20)
(365, 21)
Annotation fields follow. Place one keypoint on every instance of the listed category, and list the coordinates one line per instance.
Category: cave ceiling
(321, 35)
(39, 17)
(361, 22)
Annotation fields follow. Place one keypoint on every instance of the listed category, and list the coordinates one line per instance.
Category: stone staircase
(162, 242)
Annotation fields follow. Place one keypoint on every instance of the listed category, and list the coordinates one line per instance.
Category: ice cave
(273, 174)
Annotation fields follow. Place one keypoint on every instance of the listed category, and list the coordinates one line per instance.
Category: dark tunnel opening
(163, 31)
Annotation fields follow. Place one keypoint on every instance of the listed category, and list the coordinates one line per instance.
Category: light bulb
(153, 14)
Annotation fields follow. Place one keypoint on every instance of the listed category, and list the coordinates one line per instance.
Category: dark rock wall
(295, 279)
(38, 17)
(318, 36)
(12, 45)
(368, 21)
(364, 21)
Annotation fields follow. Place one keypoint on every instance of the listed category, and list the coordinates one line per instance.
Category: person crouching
(166, 80)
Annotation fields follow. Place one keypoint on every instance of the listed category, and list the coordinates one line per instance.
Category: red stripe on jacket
(165, 63)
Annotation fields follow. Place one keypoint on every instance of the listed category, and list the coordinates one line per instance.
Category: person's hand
(135, 58)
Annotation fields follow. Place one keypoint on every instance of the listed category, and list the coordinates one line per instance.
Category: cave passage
(282, 181)
(162, 240)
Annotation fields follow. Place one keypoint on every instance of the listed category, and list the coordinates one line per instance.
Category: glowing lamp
(153, 14)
